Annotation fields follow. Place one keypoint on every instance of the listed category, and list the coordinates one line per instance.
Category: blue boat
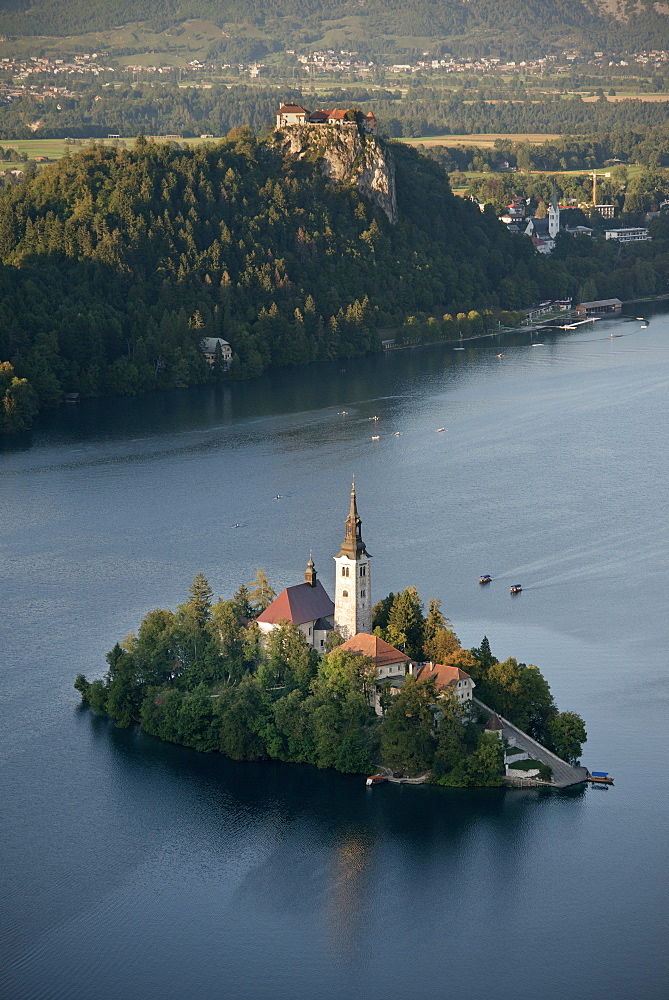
(486, 578)
(600, 777)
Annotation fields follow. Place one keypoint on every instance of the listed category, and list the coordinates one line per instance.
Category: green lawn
(55, 148)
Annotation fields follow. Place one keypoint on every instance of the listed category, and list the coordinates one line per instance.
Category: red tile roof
(446, 675)
(380, 651)
(299, 604)
(292, 109)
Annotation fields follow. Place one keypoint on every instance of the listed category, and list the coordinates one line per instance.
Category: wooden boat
(516, 589)
(600, 777)
(486, 578)
(376, 779)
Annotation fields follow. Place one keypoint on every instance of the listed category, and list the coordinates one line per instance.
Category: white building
(291, 114)
(449, 678)
(629, 235)
(353, 579)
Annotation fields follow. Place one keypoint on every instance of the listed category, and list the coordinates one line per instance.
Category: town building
(628, 235)
(449, 678)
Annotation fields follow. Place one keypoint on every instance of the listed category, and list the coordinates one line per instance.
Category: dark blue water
(137, 869)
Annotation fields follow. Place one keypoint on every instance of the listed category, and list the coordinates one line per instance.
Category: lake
(133, 868)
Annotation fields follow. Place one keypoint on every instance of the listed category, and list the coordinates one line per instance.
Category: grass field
(484, 140)
(55, 148)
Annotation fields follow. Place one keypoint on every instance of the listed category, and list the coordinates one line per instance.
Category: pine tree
(199, 601)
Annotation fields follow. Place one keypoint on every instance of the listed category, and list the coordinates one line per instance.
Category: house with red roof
(449, 678)
(306, 605)
(392, 665)
(291, 114)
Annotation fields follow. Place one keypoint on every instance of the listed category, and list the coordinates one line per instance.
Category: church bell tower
(353, 580)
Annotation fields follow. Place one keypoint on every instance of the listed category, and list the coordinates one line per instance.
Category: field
(55, 148)
(483, 141)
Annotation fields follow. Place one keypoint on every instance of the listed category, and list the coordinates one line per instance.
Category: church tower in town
(554, 216)
(353, 580)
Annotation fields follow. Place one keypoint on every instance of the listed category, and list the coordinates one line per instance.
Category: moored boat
(600, 777)
(376, 779)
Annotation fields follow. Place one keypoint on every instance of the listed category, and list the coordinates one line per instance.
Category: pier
(564, 774)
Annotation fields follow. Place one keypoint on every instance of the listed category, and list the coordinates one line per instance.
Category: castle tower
(554, 216)
(353, 580)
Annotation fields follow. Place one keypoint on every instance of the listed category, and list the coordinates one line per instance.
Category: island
(343, 684)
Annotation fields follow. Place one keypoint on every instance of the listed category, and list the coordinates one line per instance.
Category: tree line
(201, 677)
(422, 110)
(117, 263)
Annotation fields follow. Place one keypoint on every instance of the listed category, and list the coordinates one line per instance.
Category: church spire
(353, 545)
(310, 572)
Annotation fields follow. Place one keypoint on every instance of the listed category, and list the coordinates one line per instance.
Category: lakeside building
(598, 306)
(209, 349)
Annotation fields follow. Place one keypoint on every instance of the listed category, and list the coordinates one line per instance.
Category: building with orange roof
(392, 665)
(449, 678)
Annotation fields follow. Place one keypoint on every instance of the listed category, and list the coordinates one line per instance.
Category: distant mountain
(393, 24)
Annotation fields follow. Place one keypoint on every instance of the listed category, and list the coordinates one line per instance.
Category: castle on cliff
(293, 114)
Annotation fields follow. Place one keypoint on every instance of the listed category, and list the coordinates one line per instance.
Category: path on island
(563, 773)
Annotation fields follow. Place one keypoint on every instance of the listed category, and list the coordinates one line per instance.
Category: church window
(363, 571)
(363, 593)
(344, 571)
(344, 593)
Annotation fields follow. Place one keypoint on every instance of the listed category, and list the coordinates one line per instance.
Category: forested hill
(492, 23)
(118, 262)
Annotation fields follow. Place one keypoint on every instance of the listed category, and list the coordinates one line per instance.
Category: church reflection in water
(346, 890)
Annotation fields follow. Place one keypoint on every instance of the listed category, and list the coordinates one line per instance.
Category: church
(308, 604)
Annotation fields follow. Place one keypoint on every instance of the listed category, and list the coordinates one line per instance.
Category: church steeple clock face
(353, 582)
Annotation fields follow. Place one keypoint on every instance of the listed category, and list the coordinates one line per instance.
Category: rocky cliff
(347, 156)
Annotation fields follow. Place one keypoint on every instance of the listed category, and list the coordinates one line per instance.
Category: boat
(376, 779)
(486, 578)
(458, 348)
(375, 437)
(644, 326)
(499, 355)
(516, 589)
(642, 319)
(440, 429)
(600, 777)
